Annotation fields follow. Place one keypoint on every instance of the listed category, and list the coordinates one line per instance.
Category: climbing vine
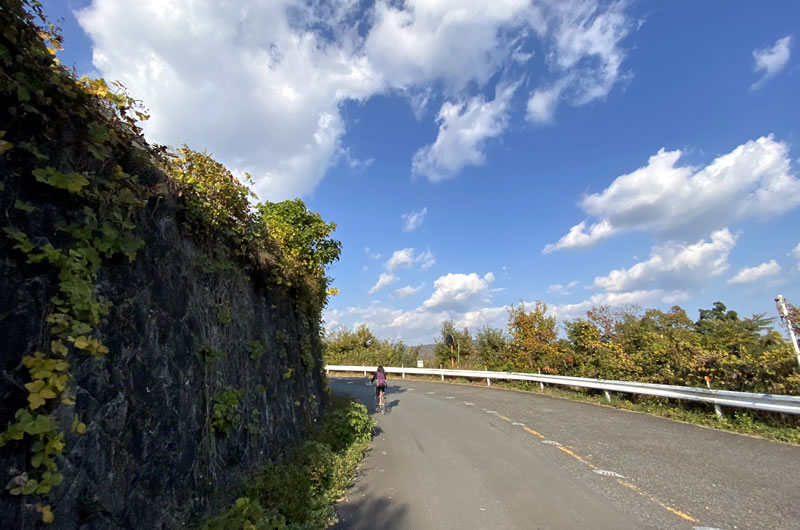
(97, 224)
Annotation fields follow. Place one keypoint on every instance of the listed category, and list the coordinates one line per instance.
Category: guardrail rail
(727, 398)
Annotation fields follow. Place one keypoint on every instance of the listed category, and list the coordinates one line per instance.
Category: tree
(492, 348)
(462, 348)
(303, 234)
(723, 329)
(534, 335)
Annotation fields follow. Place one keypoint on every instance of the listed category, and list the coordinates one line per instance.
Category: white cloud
(261, 84)
(464, 128)
(221, 78)
(383, 280)
(586, 55)
(459, 291)
(371, 254)
(407, 257)
(772, 60)
(642, 298)
(413, 220)
(560, 289)
(753, 180)
(674, 265)
(578, 238)
(751, 274)
(408, 290)
(458, 41)
(543, 102)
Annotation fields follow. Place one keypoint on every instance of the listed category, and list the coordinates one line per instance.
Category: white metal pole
(784, 314)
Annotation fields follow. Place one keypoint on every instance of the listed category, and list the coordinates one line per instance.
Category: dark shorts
(379, 389)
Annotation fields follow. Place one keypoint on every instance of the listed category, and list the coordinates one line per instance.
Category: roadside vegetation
(298, 491)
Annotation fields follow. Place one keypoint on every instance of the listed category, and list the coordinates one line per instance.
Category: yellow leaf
(81, 343)
(59, 382)
(35, 386)
(47, 393)
(58, 347)
(36, 401)
(81, 428)
(47, 513)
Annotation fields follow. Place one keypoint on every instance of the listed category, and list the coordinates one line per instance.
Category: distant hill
(426, 351)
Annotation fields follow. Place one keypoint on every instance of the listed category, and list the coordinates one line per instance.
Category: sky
(476, 154)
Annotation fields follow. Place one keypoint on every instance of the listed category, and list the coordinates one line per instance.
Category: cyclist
(379, 378)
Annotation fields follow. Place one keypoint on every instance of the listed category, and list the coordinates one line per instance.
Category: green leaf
(32, 149)
(24, 206)
(30, 486)
(72, 182)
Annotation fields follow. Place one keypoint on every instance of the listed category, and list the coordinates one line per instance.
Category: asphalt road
(463, 457)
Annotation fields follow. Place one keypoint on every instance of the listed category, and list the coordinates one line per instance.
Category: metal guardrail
(728, 398)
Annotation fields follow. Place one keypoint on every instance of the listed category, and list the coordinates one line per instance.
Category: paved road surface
(464, 457)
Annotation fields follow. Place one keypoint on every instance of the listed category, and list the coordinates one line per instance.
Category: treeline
(627, 343)
(362, 348)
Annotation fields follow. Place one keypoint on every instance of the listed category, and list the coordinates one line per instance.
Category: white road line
(551, 442)
(491, 412)
(469, 403)
(518, 424)
(607, 473)
(449, 397)
(430, 392)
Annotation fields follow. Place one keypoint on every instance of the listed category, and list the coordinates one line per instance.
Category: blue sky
(477, 154)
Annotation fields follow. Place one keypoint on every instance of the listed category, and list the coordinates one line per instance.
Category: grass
(772, 426)
(298, 491)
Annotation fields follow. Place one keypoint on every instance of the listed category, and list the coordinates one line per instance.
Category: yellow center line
(534, 432)
(679, 513)
(576, 457)
(504, 418)
(625, 483)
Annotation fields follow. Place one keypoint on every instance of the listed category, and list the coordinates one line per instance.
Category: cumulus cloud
(383, 280)
(458, 291)
(577, 237)
(464, 127)
(674, 264)
(262, 85)
(772, 59)
(751, 274)
(464, 298)
(408, 290)
(753, 180)
(642, 297)
(407, 257)
(221, 78)
(413, 220)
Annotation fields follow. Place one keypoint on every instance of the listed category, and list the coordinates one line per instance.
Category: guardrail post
(717, 408)
(365, 373)
(442, 377)
(327, 372)
(404, 375)
(607, 395)
(488, 382)
(541, 385)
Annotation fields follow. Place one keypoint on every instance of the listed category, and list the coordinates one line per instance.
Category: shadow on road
(371, 513)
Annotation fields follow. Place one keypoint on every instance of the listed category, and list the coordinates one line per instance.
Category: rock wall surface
(211, 368)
